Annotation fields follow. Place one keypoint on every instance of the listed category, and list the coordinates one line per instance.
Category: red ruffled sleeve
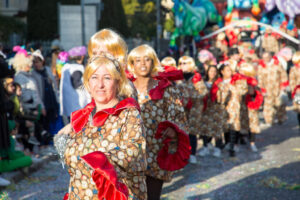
(173, 75)
(196, 78)
(294, 91)
(105, 177)
(256, 103)
(158, 92)
(179, 159)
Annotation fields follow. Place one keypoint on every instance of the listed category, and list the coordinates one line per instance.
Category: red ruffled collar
(197, 77)
(80, 117)
(263, 64)
(252, 81)
(157, 92)
(214, 89)
(256, 103)
(130, 76)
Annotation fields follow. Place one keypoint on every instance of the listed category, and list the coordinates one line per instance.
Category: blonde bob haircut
(190, 62)
(114, 68)
(296, 58)
(247, 69)
(20, 61)
(112, 42)
(141, 51)
(168, 61)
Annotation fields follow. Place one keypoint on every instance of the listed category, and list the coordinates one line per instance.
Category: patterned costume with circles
(273, 78)
(167, 108)
(122, 139)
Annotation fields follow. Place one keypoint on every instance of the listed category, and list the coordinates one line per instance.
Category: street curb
(17, 176)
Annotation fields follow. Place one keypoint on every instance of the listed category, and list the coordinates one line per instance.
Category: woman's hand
(65, 130)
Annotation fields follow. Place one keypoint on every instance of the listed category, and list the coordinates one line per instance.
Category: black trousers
(154, 187)
(193, 143)
(207, 140)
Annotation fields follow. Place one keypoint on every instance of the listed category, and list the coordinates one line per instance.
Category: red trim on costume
(262, 63)
(294, 91)
(170, 73)
(205, 102)
(130, 76)
(158, 92)
(256, 103)
(284, 84)
(80, 117)
(196, 78)
(179, 159)
(263, 90)
(66, 197)
(252, 81)
(189, 104)
(276, 61)
(236, 77)
(214, 89)
(105, 177)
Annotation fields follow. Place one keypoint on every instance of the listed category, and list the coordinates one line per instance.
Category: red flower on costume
(295, 90)
(80, 117)
(179, 159)
(256, 103)
(276, 61)
(105, 177)
(262, 63)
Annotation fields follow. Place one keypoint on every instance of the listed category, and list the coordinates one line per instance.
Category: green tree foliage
(113, 16)
(141, 17)
(9, 25)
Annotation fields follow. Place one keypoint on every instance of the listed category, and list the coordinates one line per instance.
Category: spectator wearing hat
(72, 95)
(47, 89)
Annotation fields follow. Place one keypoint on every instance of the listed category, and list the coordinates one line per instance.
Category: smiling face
(212, 73)
(226, 72)
(102, 86)
(142, 66)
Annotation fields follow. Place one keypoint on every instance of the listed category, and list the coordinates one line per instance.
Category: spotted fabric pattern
(122, 139)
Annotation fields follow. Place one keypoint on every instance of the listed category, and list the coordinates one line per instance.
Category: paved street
(271, 174)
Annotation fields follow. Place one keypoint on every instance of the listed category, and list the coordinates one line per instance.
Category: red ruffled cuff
(256, 103)
(105, 177)
(170, 73)
(214, 89)
(179, 159)
(294, 91)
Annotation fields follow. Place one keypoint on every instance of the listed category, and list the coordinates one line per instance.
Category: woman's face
(102, 87)
(184, 66)
(226, 72)
(142, 66)
(38, 63)
(18, 91)
(212, 73)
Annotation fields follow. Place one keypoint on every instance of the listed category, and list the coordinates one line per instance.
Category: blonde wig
(190, 62)
(115, 69)
(247, 69)
(111, 42)
(141, 51)
(168, 61)
(20, 61)
(296, 58)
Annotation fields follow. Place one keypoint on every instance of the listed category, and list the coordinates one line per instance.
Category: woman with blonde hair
(107, 40)
(194, 92)
(105, 152)
(163, 117)
(294, 78)
(168, 61)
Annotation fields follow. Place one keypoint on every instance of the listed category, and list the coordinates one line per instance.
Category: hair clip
(107, 56)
